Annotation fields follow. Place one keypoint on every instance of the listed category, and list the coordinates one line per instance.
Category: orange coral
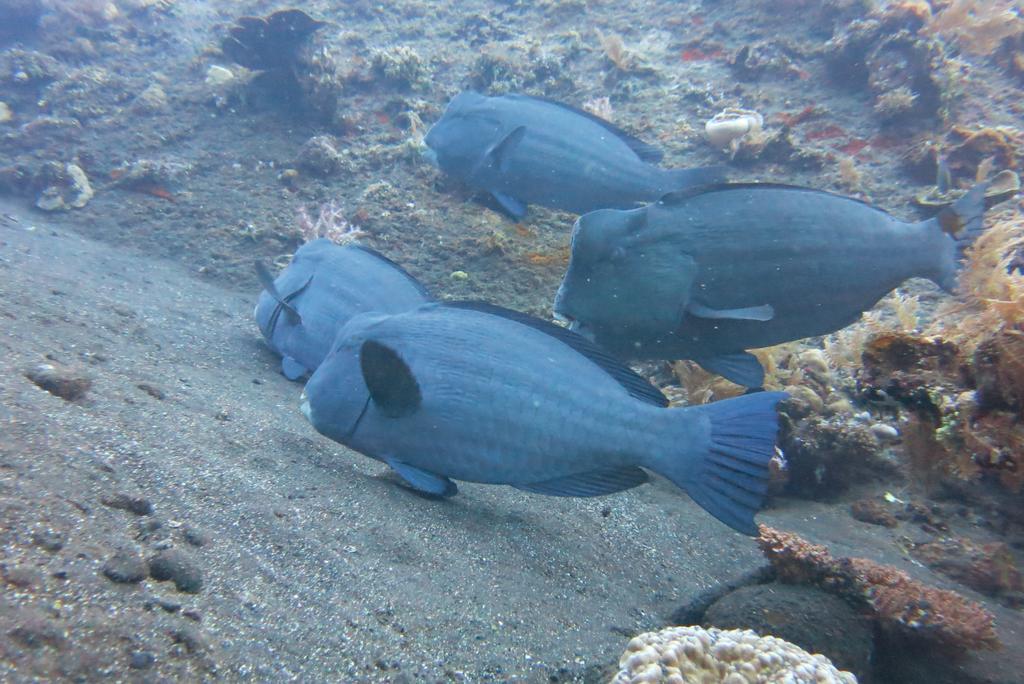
(896, 600)
(978, 26)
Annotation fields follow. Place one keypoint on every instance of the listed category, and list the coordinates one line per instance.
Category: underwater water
(556, 341)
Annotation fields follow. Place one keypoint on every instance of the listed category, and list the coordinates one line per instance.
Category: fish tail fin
(728, 475)
(963, 222)
(680, 179)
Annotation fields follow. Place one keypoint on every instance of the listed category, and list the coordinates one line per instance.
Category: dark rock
(59, 381)
(48, 540)
(177, 566)
(692, 612)
(189, 638)
(319, 157)
(826, 457)
(36, 631)
(125, 567)
(21, 576)
(195, 536)
(141, 660)
(128, 502)
(808, 617)
(873, 512)
(152, 390)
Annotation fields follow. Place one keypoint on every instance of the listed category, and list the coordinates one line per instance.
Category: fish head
(461, 137)
(336, 396)
(621, 277)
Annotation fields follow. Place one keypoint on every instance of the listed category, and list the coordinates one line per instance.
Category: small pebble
(125, 567)
(175, 565)
(128, 502)
(885, 433)
(196, 536)
(59, 381)
(141, 660)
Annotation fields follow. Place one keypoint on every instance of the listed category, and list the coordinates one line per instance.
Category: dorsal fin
(680, 196)
(389, 379)
(646, 151)
(398, 267)
(633, 383)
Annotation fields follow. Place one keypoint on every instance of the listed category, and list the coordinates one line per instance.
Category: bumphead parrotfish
(707, 273)
(300, 313)
(477, 393)
(527, 150)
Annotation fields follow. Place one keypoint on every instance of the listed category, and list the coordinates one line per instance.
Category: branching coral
(898, 602)
(329, 223)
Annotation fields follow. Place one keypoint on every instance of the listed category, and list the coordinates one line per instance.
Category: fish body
(526, 150)
(300, 313)
(709, 273)
(477, 393)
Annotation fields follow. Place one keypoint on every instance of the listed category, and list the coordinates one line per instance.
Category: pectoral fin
(512, 206)
(423, 481)
(765, 312)
(499, 154)
(593, 483)
(389, 379)
(742, 368)
(283, 302)
(292, 369)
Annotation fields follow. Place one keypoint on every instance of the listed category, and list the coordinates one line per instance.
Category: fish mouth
(571, 323)
(430, 156)
(304, 407)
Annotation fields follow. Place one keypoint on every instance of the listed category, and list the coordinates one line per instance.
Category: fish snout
(428, 154)
(304, 407)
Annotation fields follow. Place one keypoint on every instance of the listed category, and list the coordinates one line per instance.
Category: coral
(622, 58)
(151, 100)
(909, 74)
(158, 177)
(728, 128)
(989, 568)
(330, 223)
(402, 66)
(61, 187)
(513, 67)
(978, 26)
(79, 12)
(763, 57)
(967, 149)
(318, 156)
(20, 68)
(269, 43)
(693, 654)
(827, 456)
(873, 512)
(901, 605)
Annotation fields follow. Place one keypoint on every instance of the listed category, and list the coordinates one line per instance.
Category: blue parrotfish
(708, 273)
(528, 150)
(300, 313)
(482, 394)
